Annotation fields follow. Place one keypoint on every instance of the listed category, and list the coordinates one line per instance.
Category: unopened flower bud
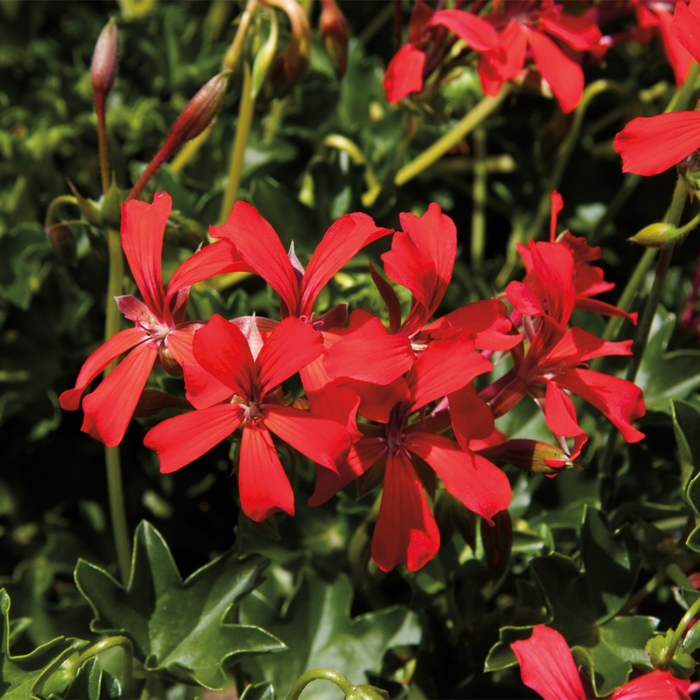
(335, 34)
(531, 456)
(656, 235)
(103, 69)
(497, 540)
(200, 110)
(62, 241)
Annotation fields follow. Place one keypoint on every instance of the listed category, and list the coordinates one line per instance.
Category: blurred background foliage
(53, 506)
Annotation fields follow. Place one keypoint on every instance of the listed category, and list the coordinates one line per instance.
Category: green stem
(234, 52)
(245, 119)
(678, 635)
(455, 135)
(479, 199)
(102, 139)
(117, 508)
(319, 674)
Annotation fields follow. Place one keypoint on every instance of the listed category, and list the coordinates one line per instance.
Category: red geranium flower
(160, 333)
(223, 351)
(547, 666)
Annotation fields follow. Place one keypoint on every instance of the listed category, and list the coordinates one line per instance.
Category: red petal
(329, 399)
(393, 305)
(180, 440)
(290, 347)
(578, 346)
(364, 454)
(650, 145)
(442, 369)
(404, 74)
(547, 665)
(142, 231)
(222, 350)
(557, 204)
(342, 241)
(476, 482)
(111, 406)
(680, 35)
(377, 400)
(600, 307)
(107, 352)
(578, 31)
(262, 482)
(202, 389)
(524, 300)
(554, 265)
(618, 400)
(322, 440)
(497, 67)
(136, 311)
(476, 32)
(260, 248)
(564, 76)
(406, 532)
(422, 258)
(659, 685)
(215, 259)
(368, 353)
(471, 417)
(559, 412)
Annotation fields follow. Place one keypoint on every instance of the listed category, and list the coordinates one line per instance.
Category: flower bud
(335, 34)
(656, 235)
(531, 456)
(200, 110)
(497, 540)
(290, 65)
(62, 241)
(103, 69)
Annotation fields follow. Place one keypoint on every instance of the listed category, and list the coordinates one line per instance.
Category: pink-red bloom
(548, 667)
(222, 350)
(406, 532)
(538, 29)
(160, 333)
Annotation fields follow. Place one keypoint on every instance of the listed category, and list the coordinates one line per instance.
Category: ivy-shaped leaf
(316, 626)
(666, 375)
(177, 627)
(19, 674)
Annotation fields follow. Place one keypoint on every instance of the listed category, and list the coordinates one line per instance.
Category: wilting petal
(547, 665)
(578, 31)
(142, 231)
(406, 532)
(363, 455)
(322, 440)
(470, 416)
(404, 74)
(476, 482)
(222, 350)
(107, 352)
(182, 439)
(368, 353)
(620, 401)
(443, 368)
(261, 249)
(215, 259)
(344, 239)
(650, 145)
(564, 76)
(111, 406)
(475, 31)
(135, 310)
(290, 347)
(262, 482)
(659, 685)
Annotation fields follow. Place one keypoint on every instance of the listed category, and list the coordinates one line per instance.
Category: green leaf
(177, 627)
(87, 681)
(666, 375)
(501, 656)
(316, 626)
(686, 418)
(19, 674)
(259, 691)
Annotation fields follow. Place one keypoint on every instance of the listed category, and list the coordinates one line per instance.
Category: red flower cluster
(377, 400)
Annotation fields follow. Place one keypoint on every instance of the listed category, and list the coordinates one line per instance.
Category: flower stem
(479, 199)
(319, 674)
(677, 638)
(102, 139)
(470, 121)
(117, 508)
(245, 119)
